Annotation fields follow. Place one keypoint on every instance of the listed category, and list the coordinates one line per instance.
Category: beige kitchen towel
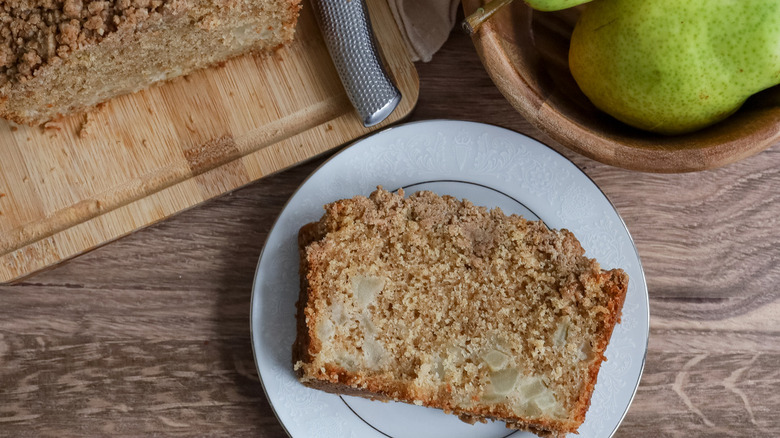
(425, 24)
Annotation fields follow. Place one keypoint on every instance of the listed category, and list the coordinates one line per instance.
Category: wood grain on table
(150, 334)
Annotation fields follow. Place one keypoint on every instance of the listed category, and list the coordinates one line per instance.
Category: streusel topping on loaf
(36, 33)
(63, 56)
(434, 301)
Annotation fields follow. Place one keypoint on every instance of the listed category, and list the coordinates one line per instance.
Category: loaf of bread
(434, 301)
(64, 56)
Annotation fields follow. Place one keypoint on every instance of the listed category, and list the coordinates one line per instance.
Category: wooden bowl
(526, 54)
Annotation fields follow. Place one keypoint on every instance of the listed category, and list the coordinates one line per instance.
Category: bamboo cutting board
(138, 159)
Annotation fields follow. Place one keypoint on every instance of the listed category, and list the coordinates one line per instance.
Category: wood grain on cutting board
(144, 157)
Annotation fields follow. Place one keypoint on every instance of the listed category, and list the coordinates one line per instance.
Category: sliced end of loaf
(135, 51)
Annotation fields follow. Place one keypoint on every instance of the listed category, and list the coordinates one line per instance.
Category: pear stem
(473, 21)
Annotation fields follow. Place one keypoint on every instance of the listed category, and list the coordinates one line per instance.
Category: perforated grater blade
(346, 28)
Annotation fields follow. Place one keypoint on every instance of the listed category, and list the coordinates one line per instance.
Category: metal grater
(346, 28)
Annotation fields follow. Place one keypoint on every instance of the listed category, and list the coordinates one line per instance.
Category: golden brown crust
(300, 352)
(466, 417)
(582, 283)
(616, 287)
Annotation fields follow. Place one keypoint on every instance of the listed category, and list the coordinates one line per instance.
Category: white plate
(490, 166)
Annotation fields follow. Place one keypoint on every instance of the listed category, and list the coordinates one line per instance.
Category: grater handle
(346, 28)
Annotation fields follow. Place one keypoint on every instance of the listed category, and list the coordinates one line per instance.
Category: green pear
(673, 66)
(554, 5)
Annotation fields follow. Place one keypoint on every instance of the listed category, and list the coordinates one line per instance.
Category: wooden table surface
(150, 334)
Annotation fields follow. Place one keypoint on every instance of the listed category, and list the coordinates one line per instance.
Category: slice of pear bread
(434, 301)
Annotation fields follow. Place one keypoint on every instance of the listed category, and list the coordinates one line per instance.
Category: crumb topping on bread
(34, 33)
(62, 56)
(435, 301)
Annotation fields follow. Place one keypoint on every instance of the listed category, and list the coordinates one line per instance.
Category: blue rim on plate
(490, 166)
